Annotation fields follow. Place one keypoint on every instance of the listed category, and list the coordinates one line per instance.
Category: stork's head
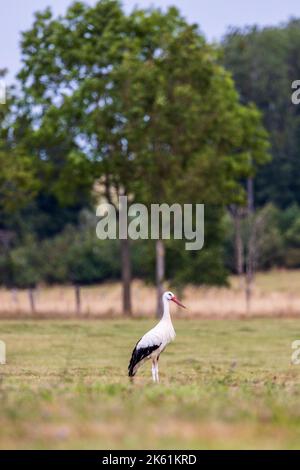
(169, 296)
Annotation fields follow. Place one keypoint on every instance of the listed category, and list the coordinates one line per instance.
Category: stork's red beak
(174, 299)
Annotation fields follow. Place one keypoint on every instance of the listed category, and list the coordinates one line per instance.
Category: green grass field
(224, 384)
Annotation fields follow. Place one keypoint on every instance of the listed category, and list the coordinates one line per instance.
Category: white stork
(152, 344)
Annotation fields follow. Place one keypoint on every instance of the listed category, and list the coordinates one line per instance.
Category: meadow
(225, 384)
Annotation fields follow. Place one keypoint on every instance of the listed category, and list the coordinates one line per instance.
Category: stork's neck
(166, 315)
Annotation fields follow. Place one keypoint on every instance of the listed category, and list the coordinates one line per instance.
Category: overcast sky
(213, 16)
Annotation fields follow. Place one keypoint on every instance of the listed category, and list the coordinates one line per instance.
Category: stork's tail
(132, 364)
(131, 372)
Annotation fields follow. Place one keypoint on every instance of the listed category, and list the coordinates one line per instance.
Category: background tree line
(110, 104)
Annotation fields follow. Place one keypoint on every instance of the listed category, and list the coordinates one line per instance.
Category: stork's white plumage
(152, 344)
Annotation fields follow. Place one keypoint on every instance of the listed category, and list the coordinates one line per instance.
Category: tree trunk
(31, 299)
(251, 248)
(160, 275)
(77, 299)
(126, 276)
(250, 195)
(238, 247)
(237, 213)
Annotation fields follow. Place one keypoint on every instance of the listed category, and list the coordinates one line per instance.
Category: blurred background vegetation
(109, 104)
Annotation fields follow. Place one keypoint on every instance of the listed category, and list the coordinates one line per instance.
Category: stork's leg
(153, 370)
(156, 371)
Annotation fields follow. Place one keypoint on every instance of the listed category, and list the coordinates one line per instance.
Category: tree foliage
(264, 63)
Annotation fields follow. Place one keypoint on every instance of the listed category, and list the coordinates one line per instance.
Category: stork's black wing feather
(138, 354)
